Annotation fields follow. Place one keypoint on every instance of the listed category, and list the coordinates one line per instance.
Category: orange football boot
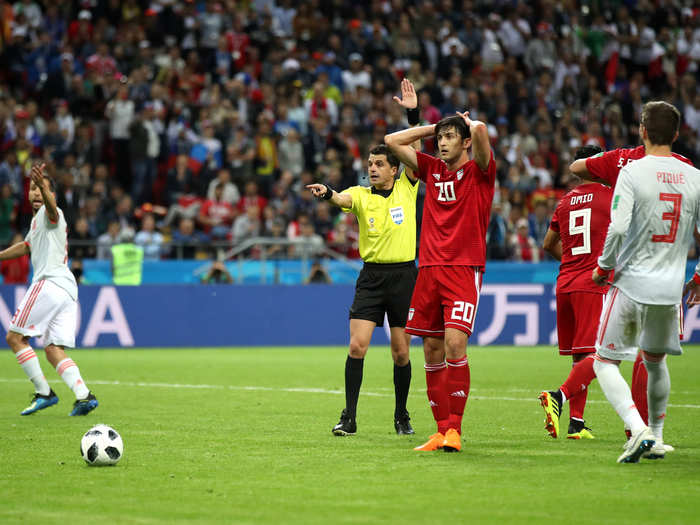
(453, 441)
(434, 443)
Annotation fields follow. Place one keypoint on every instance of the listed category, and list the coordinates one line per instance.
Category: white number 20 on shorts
(463, 311)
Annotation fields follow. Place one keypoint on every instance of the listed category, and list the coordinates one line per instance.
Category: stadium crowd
(190, 122)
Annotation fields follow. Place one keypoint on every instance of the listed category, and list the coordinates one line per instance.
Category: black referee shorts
(384, 288)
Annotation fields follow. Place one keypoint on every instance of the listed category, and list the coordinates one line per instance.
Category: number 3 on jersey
(673, 216)
(581, 227)
(446, 191)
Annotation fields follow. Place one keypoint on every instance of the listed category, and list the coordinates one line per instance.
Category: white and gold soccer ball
(101, 445)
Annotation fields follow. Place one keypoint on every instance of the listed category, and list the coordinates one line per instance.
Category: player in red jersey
(452, 257)
(576, 237)
(605, 167)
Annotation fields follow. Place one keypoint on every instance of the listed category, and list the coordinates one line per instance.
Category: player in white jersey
(50, 306)
(655, 209)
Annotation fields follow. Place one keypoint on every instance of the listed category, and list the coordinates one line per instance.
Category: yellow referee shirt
(387, 224)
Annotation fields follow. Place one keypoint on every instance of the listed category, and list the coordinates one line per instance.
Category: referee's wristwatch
(329, 193)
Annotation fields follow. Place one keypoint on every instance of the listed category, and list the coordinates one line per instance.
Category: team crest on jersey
(460, 174)
(411, 311)
(396, 214)
(437, 176)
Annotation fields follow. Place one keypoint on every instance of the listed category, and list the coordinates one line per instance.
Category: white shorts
(626, 325)
(47, 310)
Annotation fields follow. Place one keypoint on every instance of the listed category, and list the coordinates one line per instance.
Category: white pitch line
(301, 390)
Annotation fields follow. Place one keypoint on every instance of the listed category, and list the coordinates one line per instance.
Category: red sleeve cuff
(602, 272)
(696, 278)
(26, 243)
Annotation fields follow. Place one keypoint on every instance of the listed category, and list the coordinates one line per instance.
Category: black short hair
(587, 151)
(456, 122)
(661, 121)
(383, 149)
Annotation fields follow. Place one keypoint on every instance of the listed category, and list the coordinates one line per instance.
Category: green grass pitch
(242, 435)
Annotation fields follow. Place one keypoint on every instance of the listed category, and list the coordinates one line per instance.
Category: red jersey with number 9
(606, 166)
(581, 219)
(456, 212)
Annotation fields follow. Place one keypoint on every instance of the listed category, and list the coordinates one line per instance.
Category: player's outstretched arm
(552, 244)
(409, 101)
(14, 251)
(481, 148)
(400, 143)
(323, 192)
(37, 175)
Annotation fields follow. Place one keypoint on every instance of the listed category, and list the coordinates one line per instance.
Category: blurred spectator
(8, 213)
(497, 234)
(179, 180)
(522, 244)
(149, 238)
(120, 112)
(216, 215)
(308, 243)
(318, 274)
(251, 198)
(217, 274)
(80, 242)
(186, 240)
(229, 191)
(15, 271)
(240, 154)
(247, 225)
(291, 152)
(539, 222)
(108, 239)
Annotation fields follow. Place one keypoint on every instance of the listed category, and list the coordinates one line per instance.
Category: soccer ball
(101, 445)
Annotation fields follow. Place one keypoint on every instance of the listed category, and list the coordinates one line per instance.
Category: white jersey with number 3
(655, 210)
(48, 243)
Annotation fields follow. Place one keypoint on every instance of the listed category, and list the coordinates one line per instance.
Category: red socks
(639, 388)
(575, 388)
(436, 382)
(458, 388)
(579, 378)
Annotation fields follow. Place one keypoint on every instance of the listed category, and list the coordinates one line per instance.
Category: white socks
(70, 374)
(30, 364)
(619, 395)
(658, 390)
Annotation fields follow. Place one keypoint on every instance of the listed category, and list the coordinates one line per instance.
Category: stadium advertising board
(225, 315)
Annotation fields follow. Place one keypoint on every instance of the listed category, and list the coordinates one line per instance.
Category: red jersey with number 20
(581, 219)
(606, 166)
(456, 212)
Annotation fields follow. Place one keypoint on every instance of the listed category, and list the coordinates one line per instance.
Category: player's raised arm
(552, 244)
(324, 192)
(481, 148)
(400, 142)
(578, 168)
(409, 101)
(620, 218)
(38, 178)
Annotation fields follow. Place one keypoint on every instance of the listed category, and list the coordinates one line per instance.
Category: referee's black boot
(346, 426)
(402, 424)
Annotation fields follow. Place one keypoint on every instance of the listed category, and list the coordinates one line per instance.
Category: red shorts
(578, 315)
(444, 297)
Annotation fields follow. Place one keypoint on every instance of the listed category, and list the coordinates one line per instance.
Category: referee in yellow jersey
(386, 213)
